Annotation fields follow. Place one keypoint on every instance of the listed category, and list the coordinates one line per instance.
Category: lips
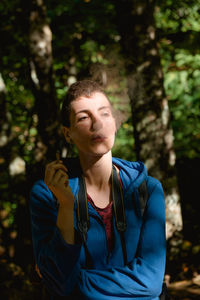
(98, 138)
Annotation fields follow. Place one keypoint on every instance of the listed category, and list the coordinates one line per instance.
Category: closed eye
(82, 118)
(105, 113)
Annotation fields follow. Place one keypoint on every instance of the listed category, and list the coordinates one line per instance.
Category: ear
(66, 132)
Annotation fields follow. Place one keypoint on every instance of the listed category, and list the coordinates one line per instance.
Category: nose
(96, 123)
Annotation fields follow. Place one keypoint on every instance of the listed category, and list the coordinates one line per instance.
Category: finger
(57, 177)
(51, 170)
(49, 175)
(60, 173)
(51, 163)
(57, 156)
(55, 168)
(64, 180)
(54, 162)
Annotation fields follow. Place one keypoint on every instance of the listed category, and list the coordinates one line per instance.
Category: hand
(56, 178)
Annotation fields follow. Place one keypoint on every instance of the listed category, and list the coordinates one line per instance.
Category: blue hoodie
(63, 266)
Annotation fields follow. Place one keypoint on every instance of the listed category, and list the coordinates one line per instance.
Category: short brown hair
(80, 88)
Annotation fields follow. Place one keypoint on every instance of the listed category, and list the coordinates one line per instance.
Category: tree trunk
(7, 135)
(3, 114)
(42, 78)
(150, 111)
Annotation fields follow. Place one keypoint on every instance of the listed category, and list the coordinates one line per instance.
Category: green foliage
(182, 88)
(173, 16)
(180, 57)
(124, 144)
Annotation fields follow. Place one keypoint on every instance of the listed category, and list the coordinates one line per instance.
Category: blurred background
(146, 55)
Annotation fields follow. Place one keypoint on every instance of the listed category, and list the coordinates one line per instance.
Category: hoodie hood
(133, 173)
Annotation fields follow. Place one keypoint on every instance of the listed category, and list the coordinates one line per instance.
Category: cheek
(111, 127)
(79, 132)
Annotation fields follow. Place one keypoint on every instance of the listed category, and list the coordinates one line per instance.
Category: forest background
(146, 55)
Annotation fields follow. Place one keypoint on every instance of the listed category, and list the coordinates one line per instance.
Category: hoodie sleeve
(142, 278)
(58, 262)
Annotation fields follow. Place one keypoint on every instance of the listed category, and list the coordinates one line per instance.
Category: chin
(102, 149)
(98, 150)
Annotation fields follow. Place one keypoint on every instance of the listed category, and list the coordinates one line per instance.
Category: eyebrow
(99, 109)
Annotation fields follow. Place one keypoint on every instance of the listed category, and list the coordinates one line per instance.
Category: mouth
(98, 138)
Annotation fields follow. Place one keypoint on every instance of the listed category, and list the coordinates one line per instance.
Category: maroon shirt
(106, 214)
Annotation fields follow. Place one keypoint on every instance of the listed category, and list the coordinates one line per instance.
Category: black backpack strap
(83, 218)
(82, 208)
(119, 211)
(118, 202)
(143, 196)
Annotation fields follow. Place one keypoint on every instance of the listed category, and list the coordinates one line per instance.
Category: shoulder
(153, 183)
(41, 195)
(39, 187)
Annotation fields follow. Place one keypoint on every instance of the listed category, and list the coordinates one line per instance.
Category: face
(92, 125)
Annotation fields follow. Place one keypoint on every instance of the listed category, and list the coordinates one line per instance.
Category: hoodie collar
(132, 173)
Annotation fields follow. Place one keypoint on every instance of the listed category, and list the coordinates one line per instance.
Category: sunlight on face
(92, 124)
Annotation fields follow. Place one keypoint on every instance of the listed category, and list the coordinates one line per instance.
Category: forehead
(95, 101)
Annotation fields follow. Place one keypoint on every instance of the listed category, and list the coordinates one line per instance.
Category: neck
(97, 170)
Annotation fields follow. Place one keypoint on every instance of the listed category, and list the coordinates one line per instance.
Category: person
(60, 250)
